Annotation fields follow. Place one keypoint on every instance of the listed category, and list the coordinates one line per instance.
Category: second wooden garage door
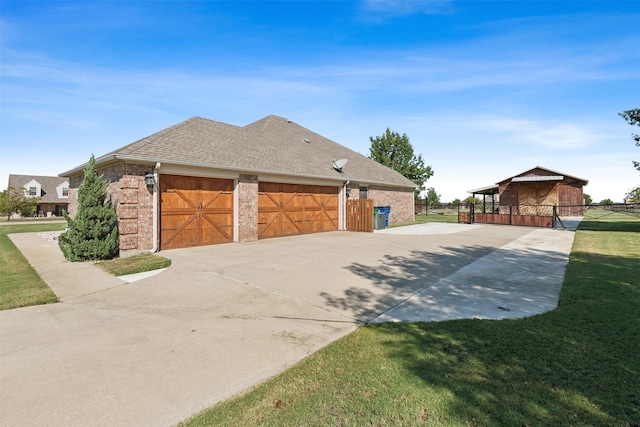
(195, 211)
(290, 209)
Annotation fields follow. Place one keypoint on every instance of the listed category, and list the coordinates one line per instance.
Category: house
(533, 193)
(204, 182)
(52, 192)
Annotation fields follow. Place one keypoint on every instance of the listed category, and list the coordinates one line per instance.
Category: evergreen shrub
(93, 233)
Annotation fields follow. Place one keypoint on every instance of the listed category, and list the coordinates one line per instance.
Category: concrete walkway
(223, 318)
(520, 279)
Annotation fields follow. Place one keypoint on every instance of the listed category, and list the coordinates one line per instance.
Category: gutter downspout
(155, 208)
(343, 209)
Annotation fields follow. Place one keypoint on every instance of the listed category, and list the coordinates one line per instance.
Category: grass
(421, 219)
(134, 264)
(577, 365)
(20, 284)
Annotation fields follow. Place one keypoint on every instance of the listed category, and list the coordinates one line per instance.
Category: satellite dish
(339, 164)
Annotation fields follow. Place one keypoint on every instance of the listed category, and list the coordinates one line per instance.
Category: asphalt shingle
(271, 145)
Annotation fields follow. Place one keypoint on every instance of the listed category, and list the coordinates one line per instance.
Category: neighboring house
(53, 192)
(536, 187)
(210, 182)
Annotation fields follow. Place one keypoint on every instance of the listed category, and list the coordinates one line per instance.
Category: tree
(633, 118)
(606, 202)
(587, 199)
(396, 152)
(633, 196)
(15, 201)
(93, 233)
(433, 198)
(472, 201)
(456, 202)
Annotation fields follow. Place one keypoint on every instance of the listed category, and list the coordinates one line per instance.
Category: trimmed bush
(93, 233)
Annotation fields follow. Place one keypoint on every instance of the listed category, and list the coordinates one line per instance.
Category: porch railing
(527, 215)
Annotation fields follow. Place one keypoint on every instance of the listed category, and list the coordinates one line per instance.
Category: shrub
(93, 233)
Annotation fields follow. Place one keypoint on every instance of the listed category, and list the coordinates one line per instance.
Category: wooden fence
(527, 215)
(360, 215)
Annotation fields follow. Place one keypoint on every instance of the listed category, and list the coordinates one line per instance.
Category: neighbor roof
(525, 177)
(272, 145)
(48, 184)
(490, 189)
(552, 176)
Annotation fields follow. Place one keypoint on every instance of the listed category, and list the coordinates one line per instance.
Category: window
(32, 191)
(65, 192)
(364, 192)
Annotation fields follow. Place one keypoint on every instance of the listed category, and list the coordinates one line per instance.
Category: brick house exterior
(272, 150)
(51, 191)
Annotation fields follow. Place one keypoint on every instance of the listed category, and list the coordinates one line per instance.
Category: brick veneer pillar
(247, 208)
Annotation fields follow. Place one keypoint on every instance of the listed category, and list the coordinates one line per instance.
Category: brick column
(128, 213)
(247, 208)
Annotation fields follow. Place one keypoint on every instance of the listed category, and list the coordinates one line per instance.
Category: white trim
(536, 178)
(198, 172)
(287, 179)
(236, 211)
(342, 207)
(60, 187)
(155, 247)
(35, 184)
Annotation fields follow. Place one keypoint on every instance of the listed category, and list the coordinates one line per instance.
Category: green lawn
(20, 285)
(577, 365)
(134, 264)
(421, 219)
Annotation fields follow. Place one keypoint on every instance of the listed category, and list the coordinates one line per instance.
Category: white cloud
(391, 8)
(545, 134)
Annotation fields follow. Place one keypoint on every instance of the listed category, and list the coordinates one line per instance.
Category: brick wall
(401, 201)
(247, 208)
(135, 209)
(132, 200)
(74, 183)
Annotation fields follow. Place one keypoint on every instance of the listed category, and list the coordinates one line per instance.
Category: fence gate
(360, 215)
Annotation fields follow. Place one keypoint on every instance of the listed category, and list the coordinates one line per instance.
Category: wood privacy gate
(195, 211)
(360, 215)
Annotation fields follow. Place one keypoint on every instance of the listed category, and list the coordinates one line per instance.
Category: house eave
(115, 158)
(490, 189)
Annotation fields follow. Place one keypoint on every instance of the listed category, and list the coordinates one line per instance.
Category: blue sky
(483, 89)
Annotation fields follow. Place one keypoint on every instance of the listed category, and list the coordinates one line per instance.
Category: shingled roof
(272, 145)
(540, 173)
(48, 184)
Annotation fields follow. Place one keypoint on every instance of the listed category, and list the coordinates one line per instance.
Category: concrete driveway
(223, 318)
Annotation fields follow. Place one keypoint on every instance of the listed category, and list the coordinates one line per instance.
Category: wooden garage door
(195, 211)
(289, 209)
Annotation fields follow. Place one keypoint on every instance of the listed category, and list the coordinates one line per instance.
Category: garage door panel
(178, 199)
(219, 228)
(291, 225)
(195, 211)
(290, 209)
(220, 201)
(268, 199)
(178, 230)
(269, 223)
